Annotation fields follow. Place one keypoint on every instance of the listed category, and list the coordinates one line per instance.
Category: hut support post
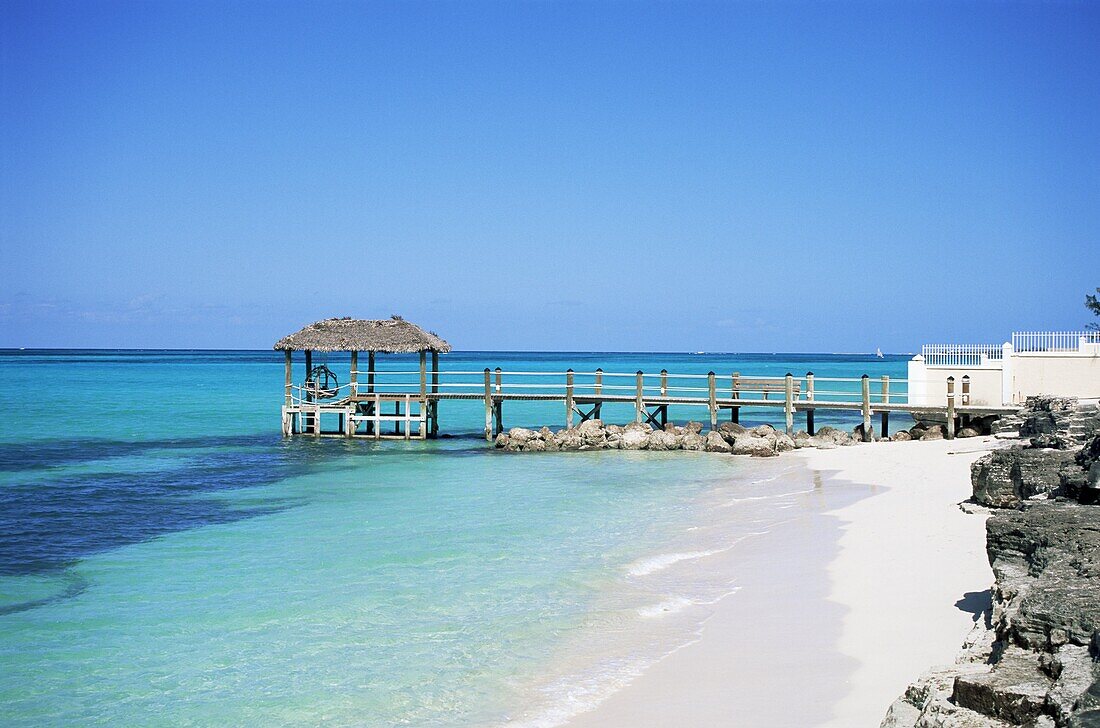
(488, 407)
(423, 374)
(950, 408)
(885, 400)
(810, 398)
(788, 403)
(435, 390)
(289, 379)
(865, 381)
(308, 425)
(569, 399)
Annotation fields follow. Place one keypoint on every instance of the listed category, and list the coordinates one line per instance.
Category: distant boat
(700, 352)
(878, 353)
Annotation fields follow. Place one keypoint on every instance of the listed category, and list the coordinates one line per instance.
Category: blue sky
(614, 176)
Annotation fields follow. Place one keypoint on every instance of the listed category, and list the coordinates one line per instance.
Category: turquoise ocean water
(166, 558)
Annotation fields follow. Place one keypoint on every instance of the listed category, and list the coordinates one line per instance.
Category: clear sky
(678, 176)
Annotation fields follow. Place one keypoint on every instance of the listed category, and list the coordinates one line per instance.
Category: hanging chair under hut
(359, 406)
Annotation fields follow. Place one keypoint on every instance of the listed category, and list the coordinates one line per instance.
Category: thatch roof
(393, 336)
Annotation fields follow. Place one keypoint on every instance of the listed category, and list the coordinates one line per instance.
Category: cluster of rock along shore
(728, 437)
(1033, 658)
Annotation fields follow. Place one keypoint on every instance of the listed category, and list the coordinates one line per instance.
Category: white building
(1059, 363)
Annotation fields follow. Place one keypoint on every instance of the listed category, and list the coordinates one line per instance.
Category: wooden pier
(405, 404)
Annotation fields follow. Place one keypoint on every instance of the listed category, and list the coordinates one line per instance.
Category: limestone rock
(935, 432)
(750, 444)
(1004, 478)
(521, 434)
(901, 436)
(832, 434)
(693, 441)
(663, 440)
(716, 443)
(635, 436)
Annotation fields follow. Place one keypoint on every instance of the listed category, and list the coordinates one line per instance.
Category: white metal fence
(1053, 340)
(960, 355)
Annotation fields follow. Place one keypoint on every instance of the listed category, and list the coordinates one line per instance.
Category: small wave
(668, 606)
(644, 567)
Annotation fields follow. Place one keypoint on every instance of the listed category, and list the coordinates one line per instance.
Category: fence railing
(1032, 341)
(960, 355)
(726, 389)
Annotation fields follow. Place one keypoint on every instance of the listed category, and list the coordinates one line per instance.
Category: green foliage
(1093, 304)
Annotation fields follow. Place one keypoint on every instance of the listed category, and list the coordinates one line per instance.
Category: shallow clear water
(166, 557)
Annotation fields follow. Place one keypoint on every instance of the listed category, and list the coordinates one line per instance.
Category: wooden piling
(569, 398)
(885, 400)
(499, 380)
(488, 407)
(712, 400)
(950, 408)
(370, 371)
(664, 382)
(810, 398)
(966, 389)
(598, 389)
(735, 393)
(866, 408)
(639, 401)
(788, 403)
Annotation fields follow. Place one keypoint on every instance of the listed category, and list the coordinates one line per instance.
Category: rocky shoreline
(1033, 658)
(728, 437)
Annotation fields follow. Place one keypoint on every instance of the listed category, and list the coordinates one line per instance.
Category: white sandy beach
(798, 647)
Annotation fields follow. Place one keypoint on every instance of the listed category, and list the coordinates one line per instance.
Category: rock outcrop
(1034, 660)
(728, 437)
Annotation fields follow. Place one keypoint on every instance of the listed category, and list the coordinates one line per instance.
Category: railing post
(569, 398)
(639, 401)
(951, 408)
(488, 407)
(423, 374)
(866, 383)
(810, 398)
(885, 400)
(735, 393)
(354, 373)
(788, 404)
(664, 382)
(712, 400)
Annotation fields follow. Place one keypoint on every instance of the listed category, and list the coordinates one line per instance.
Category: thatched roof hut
(392, 336)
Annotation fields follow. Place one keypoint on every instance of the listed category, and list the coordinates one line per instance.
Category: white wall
(1069, 374)
(928, 385)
